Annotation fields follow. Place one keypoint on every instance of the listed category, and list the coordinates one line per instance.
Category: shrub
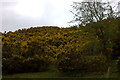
(12, 65)
(35, 64)
(18, 64)
(83, 64)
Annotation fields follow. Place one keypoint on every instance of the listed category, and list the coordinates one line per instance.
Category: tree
(90, 12)
(87, 12)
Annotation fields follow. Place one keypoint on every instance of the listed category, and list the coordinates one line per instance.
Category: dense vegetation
(84, 49)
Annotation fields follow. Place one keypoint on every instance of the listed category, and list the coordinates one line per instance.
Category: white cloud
(27, 13)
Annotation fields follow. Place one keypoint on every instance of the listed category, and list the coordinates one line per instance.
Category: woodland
(84, 49)
(92, 47)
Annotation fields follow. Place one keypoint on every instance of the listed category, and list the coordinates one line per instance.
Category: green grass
(53, 73)
(34, 75)
(56, 75)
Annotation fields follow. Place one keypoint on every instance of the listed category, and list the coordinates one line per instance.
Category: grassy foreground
(56, 75)
(53, 73)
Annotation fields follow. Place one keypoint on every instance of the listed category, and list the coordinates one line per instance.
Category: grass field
(56, 75)
(53, 73)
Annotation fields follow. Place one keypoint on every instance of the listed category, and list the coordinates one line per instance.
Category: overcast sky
(18, 14)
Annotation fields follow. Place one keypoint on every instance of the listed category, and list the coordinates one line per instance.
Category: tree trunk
(108, 72)
(109, 67)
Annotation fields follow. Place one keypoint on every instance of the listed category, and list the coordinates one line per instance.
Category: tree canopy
(87, 12)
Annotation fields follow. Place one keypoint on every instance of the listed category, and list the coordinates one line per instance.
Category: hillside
(70, 49)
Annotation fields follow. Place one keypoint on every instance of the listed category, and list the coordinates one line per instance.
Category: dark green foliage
(12, 65)
(16, 64)
(83, 64)
(118, 64)
(71, 49)
(34, 64)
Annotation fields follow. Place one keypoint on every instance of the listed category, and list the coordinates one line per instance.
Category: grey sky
(16, 14)
(55, 13)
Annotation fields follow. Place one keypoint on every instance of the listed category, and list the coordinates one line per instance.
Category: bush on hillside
(12, 65)
(18, 64)
(83, 64)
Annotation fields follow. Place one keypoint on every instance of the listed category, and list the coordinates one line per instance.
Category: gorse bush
(83, 64)
(34, 65)
(13, 64)
(72, 49)
(16, 64)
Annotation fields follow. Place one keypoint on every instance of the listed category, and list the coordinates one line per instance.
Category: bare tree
(86, 12)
